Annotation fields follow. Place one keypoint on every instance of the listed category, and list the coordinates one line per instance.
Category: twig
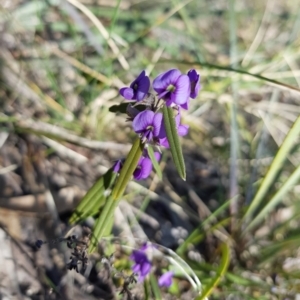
(64, 152)
(59, 133)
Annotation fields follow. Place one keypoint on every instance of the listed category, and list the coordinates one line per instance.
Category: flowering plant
(155, 113)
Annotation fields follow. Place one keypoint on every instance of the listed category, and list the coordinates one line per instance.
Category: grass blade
(275, 167)
(93, 199)
(220, 273)
(173, 139)
(196, 233)
(290, 183)
(147, 289)
(102, 223)
(199, 234)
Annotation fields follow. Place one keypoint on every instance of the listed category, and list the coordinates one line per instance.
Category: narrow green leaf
(109, 225)
(173, 139)
(93, 199)
(154, 162)
(147, 289)
(275, 167)
(103, 222)
(128, 169)
(96, 207)
(155, 287)
(198, 235)
(105, 218)
(272, 251)
(290, 183)
(182, 248)
(88, 201)
(220, 273)
(238, 279)
(205, 268)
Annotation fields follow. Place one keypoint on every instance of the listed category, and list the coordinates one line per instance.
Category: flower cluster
(171, 88)
(142, 267)
(174, 89)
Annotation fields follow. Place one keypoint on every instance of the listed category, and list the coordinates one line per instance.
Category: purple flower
(117, 166)
(173, 87)
(142, 264)
(147, 124)
(166, 279)
(181, 129)
(138, 88)
(195, 83)
(144, 166)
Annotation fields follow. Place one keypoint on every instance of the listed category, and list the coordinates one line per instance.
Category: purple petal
(195, 91)
(182, 90)
(140, 94)
(195, 83)
(143, 89)
(166, 279)
(145, 246)
(157, 155)
(164, 142)
(142, 121)
(177, 119)
(127, 93)
(163, 94)
(140, 86)
(162, 133)
(137, 173)
(193, 75)
(169, 102)
(163, 80)
(136, 268)
(144, 170)
(117, 166)
(157, 122)
(183, 130)
(185, 105)
(137, 256)
(148, 135)
(145, 268)
(138, 79)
